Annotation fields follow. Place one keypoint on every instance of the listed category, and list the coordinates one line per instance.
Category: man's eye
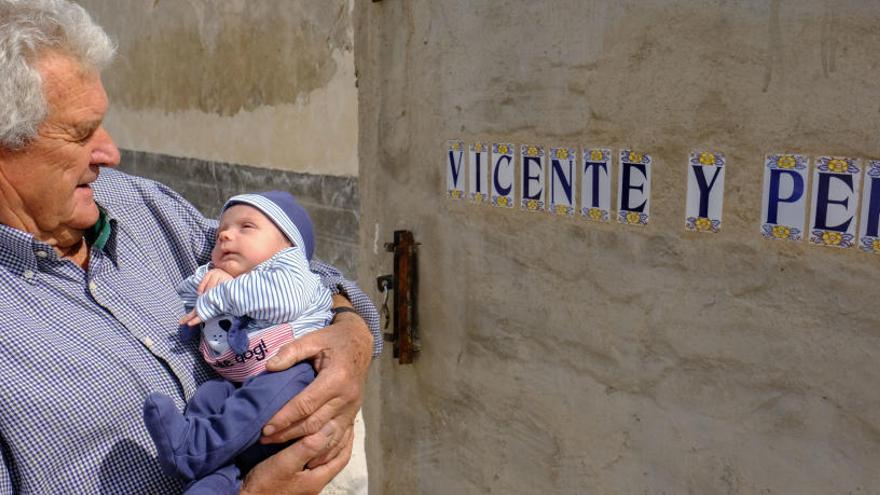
(84, 138)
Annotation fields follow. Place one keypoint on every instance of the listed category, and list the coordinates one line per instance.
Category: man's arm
(196, 232)
(333, 280)
(341, 354)
(322, 414)
(5, 475)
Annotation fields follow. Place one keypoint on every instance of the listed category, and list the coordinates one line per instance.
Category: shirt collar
(99, 234)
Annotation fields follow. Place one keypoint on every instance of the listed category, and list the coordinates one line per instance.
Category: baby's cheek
(215, 257)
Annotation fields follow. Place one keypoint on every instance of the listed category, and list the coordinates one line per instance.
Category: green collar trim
(99, 233)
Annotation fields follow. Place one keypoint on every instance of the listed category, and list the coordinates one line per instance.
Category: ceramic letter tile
(502, 174)
(869, 238)
(478, 168)
(596, 166)
(532, 164)
(455, 169)
(834, 202)
(634, 188)
(784, 203)
(561, 187)
(705, 193)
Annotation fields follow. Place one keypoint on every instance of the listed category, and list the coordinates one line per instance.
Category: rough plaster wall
(268, 83)
(562, 356)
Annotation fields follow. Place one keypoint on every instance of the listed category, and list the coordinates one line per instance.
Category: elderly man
(89, 262)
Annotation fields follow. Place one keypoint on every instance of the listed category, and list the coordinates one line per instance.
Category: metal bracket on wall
(404, 284)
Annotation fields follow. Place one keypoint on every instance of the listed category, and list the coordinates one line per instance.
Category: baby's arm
(189, 288)
(278, 292)
(211, 279)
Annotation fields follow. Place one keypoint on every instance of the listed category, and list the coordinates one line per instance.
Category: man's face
(46, 185)
(245, 238)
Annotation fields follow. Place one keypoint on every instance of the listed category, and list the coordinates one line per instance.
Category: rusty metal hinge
(404, 284)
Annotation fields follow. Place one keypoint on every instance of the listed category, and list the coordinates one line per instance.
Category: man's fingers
(347, 440)
(320, 475)
(310, 447)
(306, 426)
(285, 471)
(334, 466)
(328, 391)
(291, 353)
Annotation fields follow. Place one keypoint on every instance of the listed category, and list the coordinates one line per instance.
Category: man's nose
(104, 152)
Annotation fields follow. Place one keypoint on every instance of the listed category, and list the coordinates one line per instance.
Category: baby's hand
(213, 278)
(192, 319)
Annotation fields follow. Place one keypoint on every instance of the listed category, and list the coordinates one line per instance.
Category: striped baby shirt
(281, 289)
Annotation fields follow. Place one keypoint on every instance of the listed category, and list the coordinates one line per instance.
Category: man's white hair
(28, 28)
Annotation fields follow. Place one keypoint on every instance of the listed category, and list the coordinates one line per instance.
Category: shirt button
(148, 342)
(92, 286)
(42, 254)
(28, 274)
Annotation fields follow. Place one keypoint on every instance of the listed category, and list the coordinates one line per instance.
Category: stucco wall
(268, 84)
(219, 97)
(562, 356)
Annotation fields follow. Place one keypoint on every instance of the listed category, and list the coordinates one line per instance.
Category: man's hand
(341, 354)
(213, 278)
(285, 473)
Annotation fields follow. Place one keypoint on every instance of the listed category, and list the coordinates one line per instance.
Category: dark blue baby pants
(215, 440)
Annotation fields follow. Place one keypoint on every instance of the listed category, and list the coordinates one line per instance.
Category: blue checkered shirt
(79, 351)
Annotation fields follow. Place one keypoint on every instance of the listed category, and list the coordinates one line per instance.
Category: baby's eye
(248, 226)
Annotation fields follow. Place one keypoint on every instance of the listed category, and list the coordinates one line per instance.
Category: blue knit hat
(285, 212)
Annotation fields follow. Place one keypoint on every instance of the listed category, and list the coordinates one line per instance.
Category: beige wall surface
(269, 83)
(562, 356)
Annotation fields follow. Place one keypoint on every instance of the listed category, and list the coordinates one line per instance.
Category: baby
(256, 294)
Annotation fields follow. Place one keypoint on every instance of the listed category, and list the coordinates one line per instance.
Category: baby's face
(246, 237)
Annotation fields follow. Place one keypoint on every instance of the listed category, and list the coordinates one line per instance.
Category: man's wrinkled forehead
(64, 77)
